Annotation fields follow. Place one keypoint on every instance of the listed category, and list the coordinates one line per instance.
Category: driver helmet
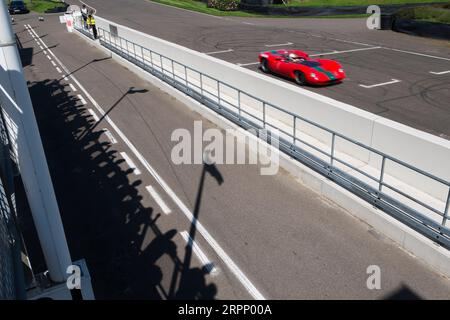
(293, 56)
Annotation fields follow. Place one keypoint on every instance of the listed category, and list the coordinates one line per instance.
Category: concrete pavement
(287, 241)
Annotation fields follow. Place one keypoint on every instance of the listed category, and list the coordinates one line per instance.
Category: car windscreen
(311, 64)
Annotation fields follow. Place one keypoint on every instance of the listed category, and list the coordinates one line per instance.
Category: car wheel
(300, 78)
(265, 66)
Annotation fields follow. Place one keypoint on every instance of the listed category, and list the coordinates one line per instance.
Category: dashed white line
(342, 51)
(222, 51)
(438, 73)
(72, 87)
(58, 69)
(130, 163)
(40, 47)
(158, 200)
(45, 52)
(248, 285)
(207, 264)
(379, 84)
(53, 63)
(80, 97)
(94, 115)
(418, 54)
(110, 136)
(279, 44)
(48, 57)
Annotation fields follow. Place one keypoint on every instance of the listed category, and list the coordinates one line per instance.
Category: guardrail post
(142, 54)
(185, 77)
(447, 204)
(173, 71)
(201, 85)
(218, 92)
(264, 114)
(333, 138)
(162, 67)
(239, 104)
(380, 185)
(294, 132)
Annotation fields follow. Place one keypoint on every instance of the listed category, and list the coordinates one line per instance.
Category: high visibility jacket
(91, 21)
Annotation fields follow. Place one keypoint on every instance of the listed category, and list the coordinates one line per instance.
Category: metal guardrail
(376, 190)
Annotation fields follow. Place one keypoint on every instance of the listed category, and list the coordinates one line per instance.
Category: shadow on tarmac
(101, 208)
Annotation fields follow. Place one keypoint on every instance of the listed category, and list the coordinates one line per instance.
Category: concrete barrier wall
(425, 151)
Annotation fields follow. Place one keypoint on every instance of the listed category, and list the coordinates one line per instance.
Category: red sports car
(297, 65)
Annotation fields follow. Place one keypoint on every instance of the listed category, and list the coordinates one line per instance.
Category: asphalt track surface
(278, 239)
(420, 98)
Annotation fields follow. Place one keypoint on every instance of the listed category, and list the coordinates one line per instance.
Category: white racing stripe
(158, 200)
(130, 163)
(207, 264)
(343, 51)
(110, 136)
(379, 84)
(438, 73)
(251, 289)
(94, 115)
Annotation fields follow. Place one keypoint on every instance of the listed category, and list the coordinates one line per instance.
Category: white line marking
(352, 42)
(110, 136)
(80, 97)
(279, 44)
(72, 87)
(158, 200)
(207, 264)
(442, 72)
(53, 63)
(379, 84)
(343, 51)
(222, 51)
(251, 289)
(130, 163)
(49, 58)
(40, 47)
(94, 115)
(249, 23)
(45, 52)
(418, 54)
(247, 64)
(58, 69)
(65, 79)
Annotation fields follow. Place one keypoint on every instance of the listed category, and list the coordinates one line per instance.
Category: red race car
(297, 65)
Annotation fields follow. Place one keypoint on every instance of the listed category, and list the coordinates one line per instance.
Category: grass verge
(42, 5)
(333, 3)
(199, 6)
(436, 13)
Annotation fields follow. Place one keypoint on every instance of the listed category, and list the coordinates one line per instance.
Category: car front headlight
(341, 70)
(312, 74)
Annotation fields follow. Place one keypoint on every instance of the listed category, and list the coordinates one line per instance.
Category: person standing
(91, 24)
(84, 14)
